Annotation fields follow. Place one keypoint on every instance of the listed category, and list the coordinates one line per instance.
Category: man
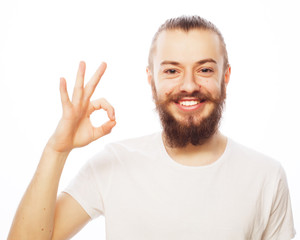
(188, 182)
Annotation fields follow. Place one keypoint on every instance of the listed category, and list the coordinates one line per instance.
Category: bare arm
(40, 215)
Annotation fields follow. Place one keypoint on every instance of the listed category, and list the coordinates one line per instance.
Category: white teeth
(188, 103)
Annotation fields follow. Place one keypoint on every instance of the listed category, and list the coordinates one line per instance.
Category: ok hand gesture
(75, 128)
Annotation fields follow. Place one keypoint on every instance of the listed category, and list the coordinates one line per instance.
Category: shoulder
(254, 161)
(143, 143)
(260, 173)
(129, 149)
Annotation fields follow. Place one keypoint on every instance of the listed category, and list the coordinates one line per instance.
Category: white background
(41, 41)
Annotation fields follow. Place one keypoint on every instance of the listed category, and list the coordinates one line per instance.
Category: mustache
(196, 95)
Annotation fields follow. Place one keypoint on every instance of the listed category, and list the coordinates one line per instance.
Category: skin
(185, 62)
(40, 214)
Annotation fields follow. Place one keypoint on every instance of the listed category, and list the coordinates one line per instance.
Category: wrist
(58, 146)
(51, 149)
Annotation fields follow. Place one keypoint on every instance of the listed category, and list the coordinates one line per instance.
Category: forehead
(187, 47)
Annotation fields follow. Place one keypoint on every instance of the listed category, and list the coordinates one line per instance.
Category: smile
(190, 104)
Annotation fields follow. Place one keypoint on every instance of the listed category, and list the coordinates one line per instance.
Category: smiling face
(189, 82)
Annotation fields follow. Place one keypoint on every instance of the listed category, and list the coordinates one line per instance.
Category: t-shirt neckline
(167, 159)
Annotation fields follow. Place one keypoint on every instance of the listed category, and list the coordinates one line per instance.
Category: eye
(206, 70)
(170, 71)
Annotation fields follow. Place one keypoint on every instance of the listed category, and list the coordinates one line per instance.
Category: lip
(188, 108)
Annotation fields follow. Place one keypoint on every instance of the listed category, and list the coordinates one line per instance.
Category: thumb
(104, 129)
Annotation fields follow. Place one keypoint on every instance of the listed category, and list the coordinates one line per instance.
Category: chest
(168, 205)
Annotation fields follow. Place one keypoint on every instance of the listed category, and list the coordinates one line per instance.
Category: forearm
(34, 218)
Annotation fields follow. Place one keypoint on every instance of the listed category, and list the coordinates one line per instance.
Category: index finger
(78, 88)
(92, 84)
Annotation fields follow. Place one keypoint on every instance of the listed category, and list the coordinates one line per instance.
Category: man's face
(189, 83)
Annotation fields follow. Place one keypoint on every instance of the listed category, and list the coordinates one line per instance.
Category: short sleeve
(91, 184)
(280, 225)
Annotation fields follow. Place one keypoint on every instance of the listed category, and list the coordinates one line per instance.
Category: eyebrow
(201, 62)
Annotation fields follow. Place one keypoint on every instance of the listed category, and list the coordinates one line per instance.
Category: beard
(193, 129)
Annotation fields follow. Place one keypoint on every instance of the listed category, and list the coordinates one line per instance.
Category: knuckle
(79, 87)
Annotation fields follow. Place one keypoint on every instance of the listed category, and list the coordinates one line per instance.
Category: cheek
(164, 89)
(213, 86)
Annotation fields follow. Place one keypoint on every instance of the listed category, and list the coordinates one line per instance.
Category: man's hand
(39, 216)
(75, 128)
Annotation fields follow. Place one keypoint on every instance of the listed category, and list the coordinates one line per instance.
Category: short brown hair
(187, 23)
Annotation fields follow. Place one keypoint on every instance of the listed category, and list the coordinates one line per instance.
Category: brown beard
(178, 134)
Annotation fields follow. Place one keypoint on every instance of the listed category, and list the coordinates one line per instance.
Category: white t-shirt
(144, 194)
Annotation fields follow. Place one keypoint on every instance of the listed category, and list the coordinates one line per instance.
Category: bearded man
(187, 182)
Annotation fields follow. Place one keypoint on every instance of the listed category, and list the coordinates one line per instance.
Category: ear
(227, 75)
(149, 75)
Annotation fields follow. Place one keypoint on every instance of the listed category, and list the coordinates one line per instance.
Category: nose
(188, 83)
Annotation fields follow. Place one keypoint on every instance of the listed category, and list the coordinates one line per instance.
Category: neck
(201, 155)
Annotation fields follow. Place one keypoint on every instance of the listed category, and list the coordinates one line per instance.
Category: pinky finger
(104, 129)
(63, 92)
